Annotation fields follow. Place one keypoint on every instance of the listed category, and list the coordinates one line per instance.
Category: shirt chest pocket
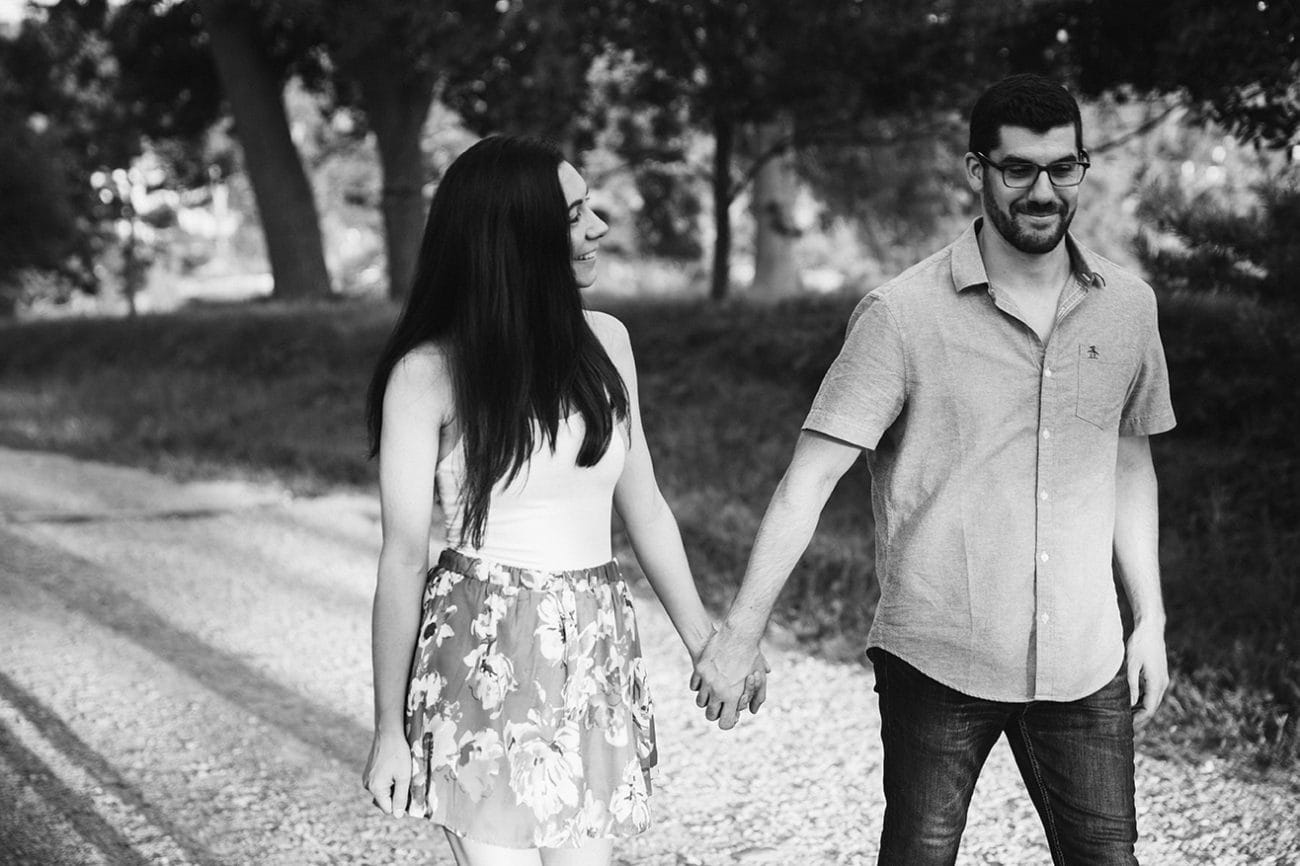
(1102, 386)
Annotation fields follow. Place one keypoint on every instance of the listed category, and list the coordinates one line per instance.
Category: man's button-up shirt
(993, 459)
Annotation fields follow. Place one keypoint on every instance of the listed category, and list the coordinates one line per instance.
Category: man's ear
(975, 169)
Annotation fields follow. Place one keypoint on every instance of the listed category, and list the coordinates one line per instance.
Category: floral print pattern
(528, 716)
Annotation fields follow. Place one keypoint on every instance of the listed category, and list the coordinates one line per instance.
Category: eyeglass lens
(1024, 174)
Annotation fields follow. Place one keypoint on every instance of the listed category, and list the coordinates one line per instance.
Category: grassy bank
(265, 391)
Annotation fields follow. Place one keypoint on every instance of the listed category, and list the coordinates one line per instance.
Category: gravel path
(184, 678)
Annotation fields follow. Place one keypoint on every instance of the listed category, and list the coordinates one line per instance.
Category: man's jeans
(1076, 758)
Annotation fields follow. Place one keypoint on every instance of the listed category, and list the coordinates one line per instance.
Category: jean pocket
(1100, 389)
(878, 662)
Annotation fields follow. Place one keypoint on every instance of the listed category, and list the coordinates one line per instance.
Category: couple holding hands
(1002, 392)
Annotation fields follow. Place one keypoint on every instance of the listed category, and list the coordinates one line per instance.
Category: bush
(1203, 243)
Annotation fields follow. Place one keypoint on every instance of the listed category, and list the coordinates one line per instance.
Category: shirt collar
(968, 266)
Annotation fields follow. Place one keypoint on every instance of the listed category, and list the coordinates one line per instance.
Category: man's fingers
(1151, 697)
(1144, 713)
(696, 682)
(703, 696)
(714, 710)
(1134, 684)
(1151, 702)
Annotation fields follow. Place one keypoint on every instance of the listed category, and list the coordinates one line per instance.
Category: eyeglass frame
(1082, 161)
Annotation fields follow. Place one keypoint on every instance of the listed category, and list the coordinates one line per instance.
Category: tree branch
(827, 134)
(1141, 129)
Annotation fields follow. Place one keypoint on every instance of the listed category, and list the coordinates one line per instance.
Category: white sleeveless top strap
(554, 515)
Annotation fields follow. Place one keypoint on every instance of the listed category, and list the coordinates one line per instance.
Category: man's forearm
(1137, 518)
(783, 536)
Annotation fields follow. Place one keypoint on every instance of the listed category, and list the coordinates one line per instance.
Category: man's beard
(1026, 240)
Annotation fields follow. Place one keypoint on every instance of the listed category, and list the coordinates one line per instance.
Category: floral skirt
(528, 716)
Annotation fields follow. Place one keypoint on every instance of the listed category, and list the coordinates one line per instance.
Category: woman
(510, 697)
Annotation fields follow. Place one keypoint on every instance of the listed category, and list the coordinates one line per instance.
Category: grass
(267, 391)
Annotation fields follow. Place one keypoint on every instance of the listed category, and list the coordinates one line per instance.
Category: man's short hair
(1033, 101)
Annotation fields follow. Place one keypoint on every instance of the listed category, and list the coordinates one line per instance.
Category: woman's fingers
(383, 795)
(729, 715)
(401, 794)
(760, 696)
(391, 791)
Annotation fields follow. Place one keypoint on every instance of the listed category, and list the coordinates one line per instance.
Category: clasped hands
(730, 675)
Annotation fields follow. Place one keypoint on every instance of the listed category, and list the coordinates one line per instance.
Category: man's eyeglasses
(1022, 175)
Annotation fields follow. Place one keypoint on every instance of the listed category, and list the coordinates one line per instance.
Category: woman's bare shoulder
(424, 369)
(611, 332)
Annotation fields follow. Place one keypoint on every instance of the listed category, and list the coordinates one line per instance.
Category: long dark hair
(494, 285)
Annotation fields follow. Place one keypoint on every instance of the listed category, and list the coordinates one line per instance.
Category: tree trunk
(776, 186)
(397, 103)
(723, 137)
(285, 203)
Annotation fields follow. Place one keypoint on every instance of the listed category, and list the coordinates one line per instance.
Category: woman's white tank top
(554, 515)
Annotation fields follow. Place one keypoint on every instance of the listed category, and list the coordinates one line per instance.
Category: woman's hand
(755, 693)
(388, 772)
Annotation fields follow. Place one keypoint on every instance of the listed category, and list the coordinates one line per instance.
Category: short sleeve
(1148, 409)
(864, 390)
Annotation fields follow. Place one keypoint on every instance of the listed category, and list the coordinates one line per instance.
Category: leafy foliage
(652, 141)
(1237, 62)
(58, 74)
(1253, 252)
(168, 77)
(37, 226)
(530, 72)
(841, 75)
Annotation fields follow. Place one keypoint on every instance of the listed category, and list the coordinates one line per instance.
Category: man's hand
(730, 674)
(1148, 670)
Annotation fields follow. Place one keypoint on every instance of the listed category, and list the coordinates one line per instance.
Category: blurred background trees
(166, 147)
(37, 226)
(61, 121)
(1213, 215)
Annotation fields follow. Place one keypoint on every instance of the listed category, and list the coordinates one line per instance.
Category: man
(1003, 391)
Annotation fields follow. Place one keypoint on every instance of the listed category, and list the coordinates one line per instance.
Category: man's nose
(1042, 190)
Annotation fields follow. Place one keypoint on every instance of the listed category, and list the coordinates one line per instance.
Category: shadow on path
(76, 807)
(88, 589)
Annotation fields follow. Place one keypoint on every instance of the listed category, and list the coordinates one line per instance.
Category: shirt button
(1043, 556)
(1047, 434)
(1042, 494)
(1043, 618)
(1047, 371)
